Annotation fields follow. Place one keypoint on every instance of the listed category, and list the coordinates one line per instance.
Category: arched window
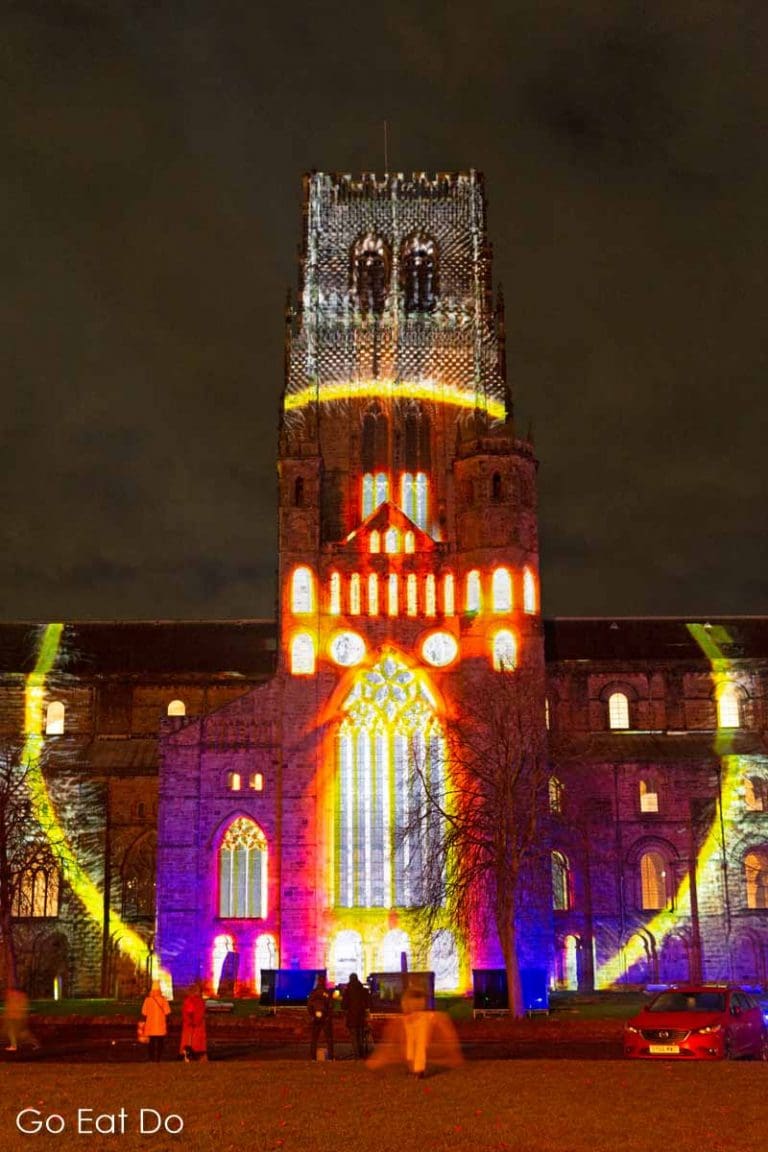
(368, 490)
(474, 597)
(234, 781)
(303, 655)
(224, 960)
(430, 596)
(393, 606)
(370, 273)
(411, 594)
(373, 594)
(756, 793)
(529, 591)
(501, 590)
(37, 891)
(618, 710)
(375, 441)
(138, 876)
(728, 708)
(448, 595)
(496, 488)
(354, 594)
(555, 796)
(382, 488)
(391, 540)
(561, 884)
(265, 957)
(389, 742)
(654, 889)
(256, 782)
(756, 877)
(547, 714)
(243, 871)
(54, 719)
(414, 497)
(417, 455)
(418, 274)
(443, 960)
(649, 797)
(410, 542)
(347, 956)
(177, 708)
(422, 493)
(334, 596)
(298, 492)
(504, 651)
(374, 542)
(302, 591)
(394, 946)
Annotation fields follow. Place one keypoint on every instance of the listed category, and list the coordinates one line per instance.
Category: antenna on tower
(386, 147)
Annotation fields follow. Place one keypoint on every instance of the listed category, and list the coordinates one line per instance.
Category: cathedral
(221, 798)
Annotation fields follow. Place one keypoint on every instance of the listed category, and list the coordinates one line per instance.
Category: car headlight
(630, 1028)
(710, 1029)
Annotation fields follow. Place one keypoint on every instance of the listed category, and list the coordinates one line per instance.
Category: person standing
(194, 1041)
(354, 1003)
(155, 1012)
(320, 1008)
(16, 1020)
(417, 1022)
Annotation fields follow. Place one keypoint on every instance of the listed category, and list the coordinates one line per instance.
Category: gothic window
(618, 710)
(334, 596)
(728, 708)
(382, 488)
(449, 595)
(756, 877)
(265, 957)
(368, 490)
(411, 595)
(410, 542)
(392, 595)
(418, 274)
(654, 890)
(243, 871)
(138, 876)
(298, 492)
(256, 782)
(504, 651)
(373, 594)
(561, 883)
(303, 655)
(370, 274)
(37, 891)
(501, 590)
(375, 445)
(354, 594)
(177, 708)
(756, 793)
(391, 540)
(389, 742)
(414, 497)
(547, 714)
(374, 542)
(555, 796)
(54, 719)
(302, 591)
(430, 598)
(649, 797)
(234, 781)
(417, 440)
(529, 591)
(496, 488)
(473, 598)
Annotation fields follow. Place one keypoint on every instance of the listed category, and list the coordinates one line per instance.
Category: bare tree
(481, 824)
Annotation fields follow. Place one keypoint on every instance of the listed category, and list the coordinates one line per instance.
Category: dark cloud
(151, 200)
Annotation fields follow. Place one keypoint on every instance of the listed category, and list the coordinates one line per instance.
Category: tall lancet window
(243, 871)
(388, 744)
(418, 273)
(370, 274)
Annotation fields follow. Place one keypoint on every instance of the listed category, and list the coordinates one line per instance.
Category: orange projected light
(431, 391)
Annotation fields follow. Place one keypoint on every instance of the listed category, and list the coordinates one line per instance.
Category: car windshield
(688, 1002)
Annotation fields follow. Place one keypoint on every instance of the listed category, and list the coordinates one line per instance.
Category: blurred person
(419, 1035)
(155, 1012)
(354, 1003)
(320, 1009)
(17, 1020)
(416, 1021)
(194, 1040)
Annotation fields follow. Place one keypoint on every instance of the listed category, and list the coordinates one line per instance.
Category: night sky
(151, 216)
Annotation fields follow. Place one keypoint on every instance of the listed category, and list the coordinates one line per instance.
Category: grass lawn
(488, 1106)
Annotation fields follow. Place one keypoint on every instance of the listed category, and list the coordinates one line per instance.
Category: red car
(698, 1022)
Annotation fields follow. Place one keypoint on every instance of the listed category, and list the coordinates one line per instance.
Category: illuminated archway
(347, 956)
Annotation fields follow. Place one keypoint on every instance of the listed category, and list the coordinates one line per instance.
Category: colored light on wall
(430, 391)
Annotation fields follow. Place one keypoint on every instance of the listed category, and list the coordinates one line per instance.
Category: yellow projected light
(429, 390)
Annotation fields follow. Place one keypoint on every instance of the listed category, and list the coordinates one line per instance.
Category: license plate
(664, 1049)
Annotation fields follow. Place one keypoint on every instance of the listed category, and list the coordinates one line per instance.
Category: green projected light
(711, 640)
(87, 891)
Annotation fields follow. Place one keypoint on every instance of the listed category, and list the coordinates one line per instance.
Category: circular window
(440, 648)
(347, 648)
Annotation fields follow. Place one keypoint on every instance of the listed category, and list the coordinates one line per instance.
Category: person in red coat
(194, 1041)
